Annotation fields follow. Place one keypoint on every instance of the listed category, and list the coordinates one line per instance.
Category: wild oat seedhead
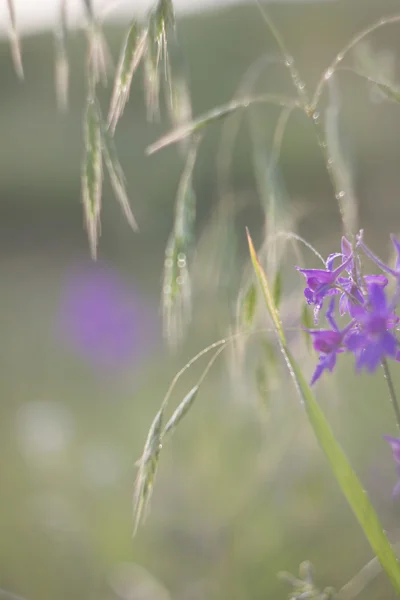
(304, 586)
(160, 25)
(98, 57)
(147, 464)
(181, 410)
(92, 174)
(100, 146)
(117, 177)
(132, 52)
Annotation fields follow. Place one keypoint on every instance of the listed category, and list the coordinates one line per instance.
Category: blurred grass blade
(249, 305)
(277, 289)
(117, 176)
(61, 58)
(131, 54)
(147, 464)
(15, 41)
(339, 161)
(345, 476)
(217, 114)
(307, 323)
(92, 175)
(390, 92)
(181, 410)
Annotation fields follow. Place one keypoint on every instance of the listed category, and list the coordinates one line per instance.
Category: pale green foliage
(15, 41)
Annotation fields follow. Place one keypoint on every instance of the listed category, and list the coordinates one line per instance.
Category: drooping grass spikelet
(147, 471)
(131, 54)
(176, 284)
(161, 22)
(92, 174)
(216, 114)
(116, 174)
(61, 63)
(98, 57)
(15, 41)
(181, 410)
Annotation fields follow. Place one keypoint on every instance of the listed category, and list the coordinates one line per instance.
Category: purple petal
(377, 297)
(370, 357)
(341, 267)
(396, 490)
(325, 340)
(389, 344)
(317, 276)
(395, 445)
(331, 259)
(377, 279)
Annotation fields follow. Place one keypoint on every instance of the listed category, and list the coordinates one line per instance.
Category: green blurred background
(242, 491)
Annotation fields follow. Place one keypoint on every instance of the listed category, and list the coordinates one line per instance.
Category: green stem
(392, 392)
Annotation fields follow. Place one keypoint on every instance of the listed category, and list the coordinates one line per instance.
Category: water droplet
(328, 74)
(340, 195)
(339, 57)
(167, 289)
(182, 262)
(301, 85)
(289, 61)
(180, 280)
(168, 263)
(330, 161)
(315, 115)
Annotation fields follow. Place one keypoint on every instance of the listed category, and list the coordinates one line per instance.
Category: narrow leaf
(345, 476)
(181, 410)
(15, 41)
(390, 92)
(249, 305)
(92, 175)
(277, 291)
(307, 323)
(266, 290)
(131, 54)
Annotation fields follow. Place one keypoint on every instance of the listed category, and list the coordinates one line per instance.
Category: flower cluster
(370, 331)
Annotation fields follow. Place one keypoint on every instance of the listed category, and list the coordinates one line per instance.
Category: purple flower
(103, 319)
(373, 341)
(395, 445)
(323, 282)
(329, 343)
(352, 294)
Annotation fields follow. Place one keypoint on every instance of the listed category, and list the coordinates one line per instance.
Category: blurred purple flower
(395, 445)
(372, 342)
(103, 319)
